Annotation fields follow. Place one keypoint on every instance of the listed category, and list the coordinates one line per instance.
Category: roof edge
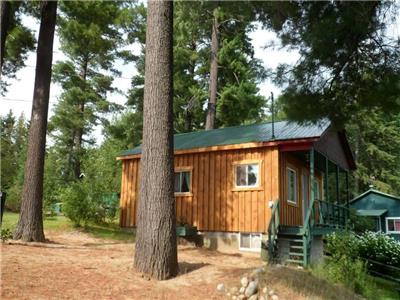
(229, 147)
(375, 192)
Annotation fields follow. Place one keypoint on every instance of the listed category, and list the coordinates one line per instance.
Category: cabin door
(305, 186)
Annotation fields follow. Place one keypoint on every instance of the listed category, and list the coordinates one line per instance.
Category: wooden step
(296, 253)
(294, 261)
(296, 247)
(296, 241)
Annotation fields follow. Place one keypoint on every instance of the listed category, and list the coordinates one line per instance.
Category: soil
(74, 265)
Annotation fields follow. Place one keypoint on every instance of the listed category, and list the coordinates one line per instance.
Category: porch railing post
(337, 214)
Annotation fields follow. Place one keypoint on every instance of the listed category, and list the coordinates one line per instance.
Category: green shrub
(82, 205)
(5, 234)
(345, 266)
(379, 247)
(13, 200)
(349, 258)
(76, 204)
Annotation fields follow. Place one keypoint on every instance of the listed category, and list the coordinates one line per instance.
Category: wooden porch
(320, 216)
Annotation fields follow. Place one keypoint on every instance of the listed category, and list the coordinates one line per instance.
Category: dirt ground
(77, 266)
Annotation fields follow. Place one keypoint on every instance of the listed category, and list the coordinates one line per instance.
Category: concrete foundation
(317, 250)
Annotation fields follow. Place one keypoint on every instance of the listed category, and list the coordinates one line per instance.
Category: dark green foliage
(345, 267)
(90, 36)
(5, 234)
(238, 95)
(13, 154)
(375, 137)
(94, 198)
(19, 42)
(361, 224)
(379, 247)
(347, 63)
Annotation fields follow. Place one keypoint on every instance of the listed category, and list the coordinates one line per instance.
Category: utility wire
(22, 100)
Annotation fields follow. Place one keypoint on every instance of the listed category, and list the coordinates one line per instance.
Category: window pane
(316, 190)
(185, 182)
(252, 174)
(292, 193)
(244, 240)
(391, 225)
(177, 182)
(241, 175)
(255, 241)
(397, 225)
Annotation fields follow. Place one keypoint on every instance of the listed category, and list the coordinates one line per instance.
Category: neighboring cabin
(230, 181)
(383, 208)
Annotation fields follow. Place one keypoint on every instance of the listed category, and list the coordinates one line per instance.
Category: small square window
(250, 241)
(247, 175)
(182, 182)
(393, 225)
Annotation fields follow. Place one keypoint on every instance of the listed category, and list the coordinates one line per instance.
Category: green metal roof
(371, 212)
(284, 130)
(372, 191)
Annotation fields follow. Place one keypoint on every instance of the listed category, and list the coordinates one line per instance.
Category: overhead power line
(21, 100)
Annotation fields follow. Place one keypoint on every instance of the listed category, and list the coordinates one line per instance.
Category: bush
(370, 245)
(13, 200)
(82, 205)
(350, 254)
(5, 234)
(379, 247)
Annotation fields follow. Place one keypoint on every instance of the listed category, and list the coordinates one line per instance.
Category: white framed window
(250, 242)
(393, 225)
(247, 175)
(183, 181)
(317, 189)
(291, 181)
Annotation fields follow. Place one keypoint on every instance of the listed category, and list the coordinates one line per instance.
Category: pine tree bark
(156, 250)
(5, 22)
(212, 102)
(78, 133)
(30, 224)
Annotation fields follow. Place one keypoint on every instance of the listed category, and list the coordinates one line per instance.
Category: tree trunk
(5, 22)
(30, 224)
(212, 102)
(156, 250)
(78, 133)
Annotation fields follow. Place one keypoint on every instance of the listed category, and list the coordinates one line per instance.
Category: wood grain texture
(214, 204)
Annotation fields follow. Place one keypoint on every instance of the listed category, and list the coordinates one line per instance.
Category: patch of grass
(10, 220)
(386, 289)
(110, 231)
(305, 283)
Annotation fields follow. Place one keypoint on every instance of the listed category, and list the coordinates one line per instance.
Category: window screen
(393, 225)
(247, 175)
(250, 241)
(291, 186)
(182, 182)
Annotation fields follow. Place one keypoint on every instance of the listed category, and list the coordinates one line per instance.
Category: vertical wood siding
(214, 204)
(292, 214)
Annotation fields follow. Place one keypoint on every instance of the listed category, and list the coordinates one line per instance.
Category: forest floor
(75, 265)
(98, 264)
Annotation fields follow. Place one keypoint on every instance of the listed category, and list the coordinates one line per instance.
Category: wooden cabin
(383, 209)
(246, 184)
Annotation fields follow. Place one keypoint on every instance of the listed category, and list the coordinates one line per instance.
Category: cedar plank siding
(292, 214)
(214, 204)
